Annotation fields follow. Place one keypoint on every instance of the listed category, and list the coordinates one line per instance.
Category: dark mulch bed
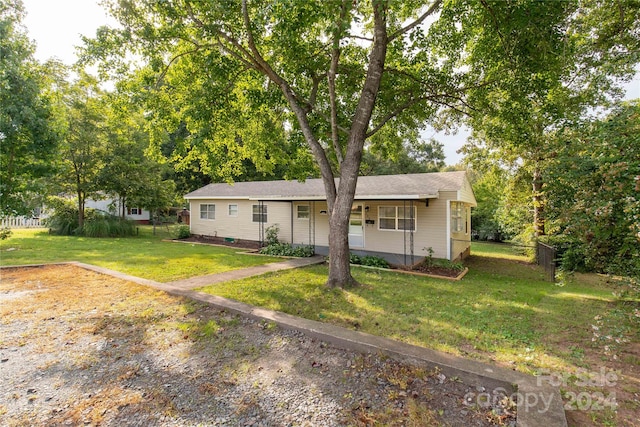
(253, 245)
(214, 240)
(435, 270)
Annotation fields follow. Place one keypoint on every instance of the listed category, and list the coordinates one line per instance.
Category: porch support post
(261, 222)
(412, 223)
(291, 229)
(313, 231)
(404, 231)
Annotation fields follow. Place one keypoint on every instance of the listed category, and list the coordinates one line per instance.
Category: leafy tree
(594, 193)
(420, 157)
(127, 173)
(571, 58)
(283, 80)
(488, 187)
(84, 145)
(28, 126)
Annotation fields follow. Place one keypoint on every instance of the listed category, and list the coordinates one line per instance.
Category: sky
(56, 27)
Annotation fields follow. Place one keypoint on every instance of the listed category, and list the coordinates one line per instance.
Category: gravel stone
(79, 348)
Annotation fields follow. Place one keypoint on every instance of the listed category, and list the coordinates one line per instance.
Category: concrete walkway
(210, 279)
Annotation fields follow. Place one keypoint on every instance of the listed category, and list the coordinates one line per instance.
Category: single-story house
(402, 218)
(112, 206)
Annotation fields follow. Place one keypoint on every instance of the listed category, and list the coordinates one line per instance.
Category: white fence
(20, 222)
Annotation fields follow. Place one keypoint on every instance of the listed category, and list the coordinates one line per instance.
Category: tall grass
(109, 227)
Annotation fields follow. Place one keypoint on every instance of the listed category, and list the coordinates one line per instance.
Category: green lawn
(503, 311)
(502, 250)
(145, 255)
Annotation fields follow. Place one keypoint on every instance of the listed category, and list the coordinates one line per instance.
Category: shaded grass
(502, 250)
(145, 255)
(501, 311)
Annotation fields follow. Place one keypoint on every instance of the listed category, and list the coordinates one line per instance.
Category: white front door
(356, 227)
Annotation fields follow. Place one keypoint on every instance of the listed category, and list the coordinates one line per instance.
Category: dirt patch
(80, 348)
(433, 270)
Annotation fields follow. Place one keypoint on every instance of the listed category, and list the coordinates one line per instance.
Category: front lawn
(502, 312)
(145, 255)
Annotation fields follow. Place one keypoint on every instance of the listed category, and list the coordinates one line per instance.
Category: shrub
(271, 233)
(108, 226)
(5, 233)
(451, 265)
(286, 249)
(64, 220)
(182, 232)
(374, 261)
(368, 260)
(276, 248)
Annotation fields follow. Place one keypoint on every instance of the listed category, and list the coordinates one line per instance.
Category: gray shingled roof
(409, 186)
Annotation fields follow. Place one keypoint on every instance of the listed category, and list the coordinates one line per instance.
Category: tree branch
(174, 59)
(299, 111)
(417, 22)
(407, 104)
(331, 79)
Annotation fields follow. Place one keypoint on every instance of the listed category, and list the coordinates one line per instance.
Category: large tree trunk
(339, 268)
(340, 199)
(80, 210)
(339, 255)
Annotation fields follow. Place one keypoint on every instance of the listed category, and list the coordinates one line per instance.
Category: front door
(356, 227)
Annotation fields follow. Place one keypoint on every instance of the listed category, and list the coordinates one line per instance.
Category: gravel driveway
(81, 348)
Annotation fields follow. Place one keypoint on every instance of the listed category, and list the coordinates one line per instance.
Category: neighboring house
(399, 217)
(113, 207)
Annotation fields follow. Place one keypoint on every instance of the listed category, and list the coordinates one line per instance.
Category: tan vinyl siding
(430, 230)
(242, 225)
(465, 193)
(318, 221)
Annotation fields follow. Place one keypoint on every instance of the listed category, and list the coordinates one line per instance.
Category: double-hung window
(233, 210)
(303, 211)
(458, 217)
(397, 218)
(207, 211)
(259, 213)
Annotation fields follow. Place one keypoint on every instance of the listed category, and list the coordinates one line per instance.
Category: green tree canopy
(571, 60)
(593, 187)
(28, 126)
(82, 152)
(287, 80)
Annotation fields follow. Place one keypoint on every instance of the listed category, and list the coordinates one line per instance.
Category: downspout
(413, 225)
(313, 209)
(404, 232)
(448, 229)
(291, 223)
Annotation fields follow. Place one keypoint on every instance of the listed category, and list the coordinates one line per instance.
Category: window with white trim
(396, 218)
(303, 211)
(259, 215)
(458, 217)
(207, 211)
(233, 210)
